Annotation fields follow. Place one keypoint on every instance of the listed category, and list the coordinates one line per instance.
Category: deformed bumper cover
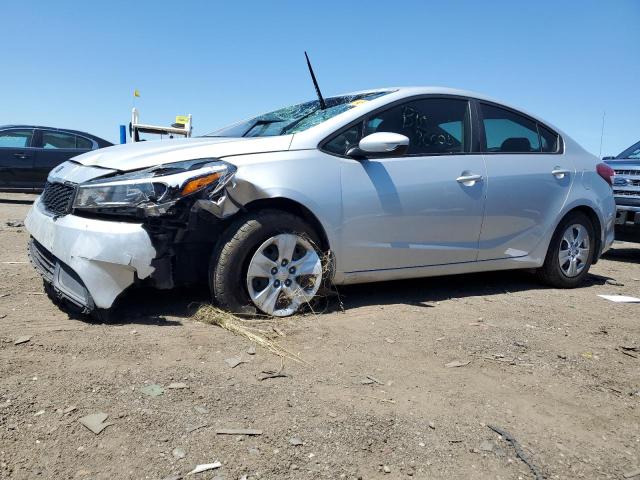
(106, 256)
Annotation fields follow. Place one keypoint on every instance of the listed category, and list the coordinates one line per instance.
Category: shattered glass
(295, 118)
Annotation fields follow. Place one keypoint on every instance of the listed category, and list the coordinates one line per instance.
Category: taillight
(606, 172)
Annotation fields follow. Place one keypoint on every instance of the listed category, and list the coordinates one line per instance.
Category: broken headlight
(158, 186)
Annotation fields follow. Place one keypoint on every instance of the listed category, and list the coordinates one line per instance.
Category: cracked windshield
(295, 118)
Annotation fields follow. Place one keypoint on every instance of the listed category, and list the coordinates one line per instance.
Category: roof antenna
(604, 114)
(323, 105)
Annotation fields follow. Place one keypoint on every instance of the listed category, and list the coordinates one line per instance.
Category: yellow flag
(136, 93)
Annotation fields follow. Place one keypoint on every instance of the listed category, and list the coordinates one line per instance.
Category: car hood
(133, 156)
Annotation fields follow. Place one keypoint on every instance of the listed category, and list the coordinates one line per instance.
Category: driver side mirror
(380, 144)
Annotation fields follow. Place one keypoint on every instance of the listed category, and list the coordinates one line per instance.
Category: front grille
(627, 172)
(626, 193)
(626, 184)
(58, 197)
(43, 260)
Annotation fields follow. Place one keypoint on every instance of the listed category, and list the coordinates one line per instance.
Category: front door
(16, 158)
(423, 208)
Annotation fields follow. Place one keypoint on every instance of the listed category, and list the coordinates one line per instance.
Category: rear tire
(570, 254)
(237, 247)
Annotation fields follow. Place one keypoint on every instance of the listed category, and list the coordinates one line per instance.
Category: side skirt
(437, 270)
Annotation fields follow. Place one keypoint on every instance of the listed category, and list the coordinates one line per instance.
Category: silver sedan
(376, 185)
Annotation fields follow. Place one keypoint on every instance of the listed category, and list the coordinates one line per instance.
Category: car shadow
(15, 201)
(23, 198)
(424, 292)
(626, 255)
(148, 306)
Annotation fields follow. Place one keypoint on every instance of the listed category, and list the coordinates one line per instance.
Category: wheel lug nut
(274, 270)
(287, 282)
(284, 262)
(276, 283)
(292, 270)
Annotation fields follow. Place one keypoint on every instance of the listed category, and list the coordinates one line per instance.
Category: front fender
(314, 177)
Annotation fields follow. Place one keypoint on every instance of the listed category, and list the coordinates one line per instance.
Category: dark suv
(626, 190)
(28, 153)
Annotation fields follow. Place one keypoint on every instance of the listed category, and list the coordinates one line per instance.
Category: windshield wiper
(265, 121)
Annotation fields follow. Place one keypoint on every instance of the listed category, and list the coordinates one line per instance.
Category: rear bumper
(608, 218)
(609, 237)
(89, 262)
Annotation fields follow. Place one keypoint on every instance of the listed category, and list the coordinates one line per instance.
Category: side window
(343, 142)
(508, 132)
(58, 140)
(433, 125)
(16, 138)
(83, 143)
(548, 139)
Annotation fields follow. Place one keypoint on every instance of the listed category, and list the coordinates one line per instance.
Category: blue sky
(75, 64)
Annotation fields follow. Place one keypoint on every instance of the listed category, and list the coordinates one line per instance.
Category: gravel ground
(374, 397)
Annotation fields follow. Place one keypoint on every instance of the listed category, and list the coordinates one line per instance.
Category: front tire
(269, 261)
(570, 252)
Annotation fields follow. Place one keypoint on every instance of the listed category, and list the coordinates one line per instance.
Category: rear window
(548, 139)
(509, 132)
(53, 140)
(83, 143)
(62, 140)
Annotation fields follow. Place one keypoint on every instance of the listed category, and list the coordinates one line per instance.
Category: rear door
(529, 180)
(17, 157)
(57, 147)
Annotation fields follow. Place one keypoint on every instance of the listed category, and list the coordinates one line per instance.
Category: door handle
(21, 156)
(469, 180)
(560, 172)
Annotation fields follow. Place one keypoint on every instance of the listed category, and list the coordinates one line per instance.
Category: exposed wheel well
(295, 208)
(597, 226)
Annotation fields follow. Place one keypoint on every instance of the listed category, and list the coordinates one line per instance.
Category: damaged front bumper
(89, 262)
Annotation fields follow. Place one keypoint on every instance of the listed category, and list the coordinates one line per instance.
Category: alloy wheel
(284, 273)
(574, 250)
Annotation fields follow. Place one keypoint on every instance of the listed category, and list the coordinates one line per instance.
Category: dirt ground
(375, 398)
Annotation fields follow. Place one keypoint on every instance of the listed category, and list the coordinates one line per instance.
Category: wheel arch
(597, 226)
(295, 208)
